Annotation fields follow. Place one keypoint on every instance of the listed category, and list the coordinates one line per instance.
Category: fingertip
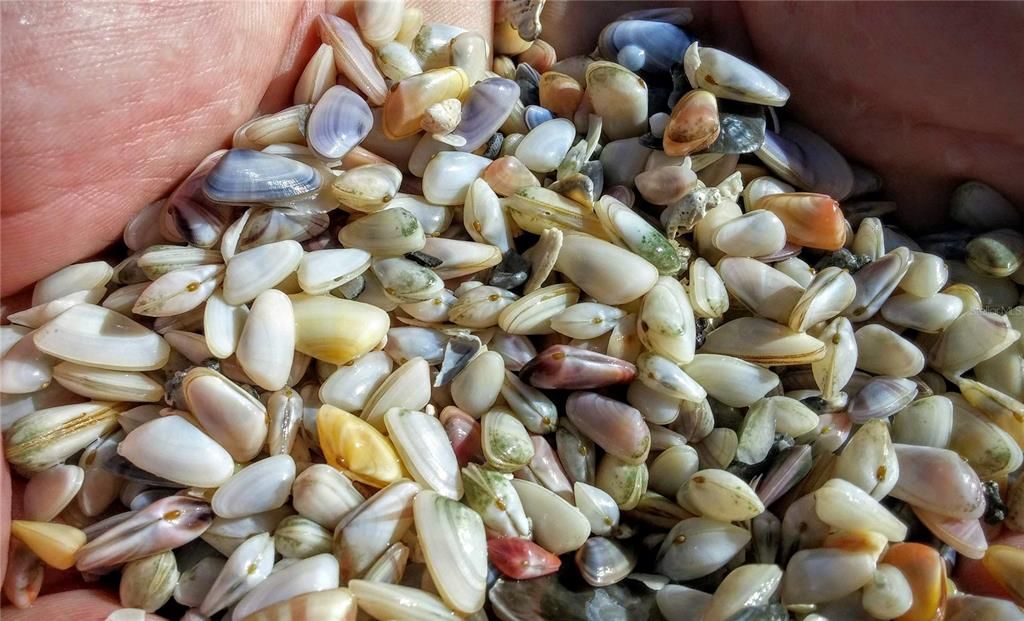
(81, 605)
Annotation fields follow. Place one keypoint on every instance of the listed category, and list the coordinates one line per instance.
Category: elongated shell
(698, 546)
(99, 337)
(452, 539)
(720, 495)
(558, 526)
(317, 573)
(763, 342)
(228, 414)
(49, 436)
(423, 446)
(490, 493)
(666, 323)
(606, 272)
(732, 381)
(730, 77)
(172, 448)
(363, 536)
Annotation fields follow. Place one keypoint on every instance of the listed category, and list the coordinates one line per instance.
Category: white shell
(423, 446)
(323, 270)
(764, 290)
(881, 351)
(77, 277)
(324, 495)
(449, 174)
(707, 291)
(172, 448)
(99, 337)
(972, 338)
(926, 276)
(746, 586)
(731, 78)
(452, 539)
(253, 271)
(608, 273)
(248, 566)
(107, 385)
(666, 324)
(349, 387)
(25, 369)
(49, 491)
(754, 234)
(825, 574)
(267, 345)
(925, 422)
(828, 294)
(931, 314)
(834, 371)
(532, 313)
(179, 291)
(381, 521)
(231, 416)
(869, 460)
(484, 218)
(544, 147)
(558, 527)
(662, 375)
(672, 468)
(222, 325)
(407, 387)
(476, 388)
(597, 506)
(875, 281)
(261, 486)
(696, 547)
(720, 495)
(38, 315)
(316, 573)
(391, 601)
(845, 506)
(888, 594)
(732, 381)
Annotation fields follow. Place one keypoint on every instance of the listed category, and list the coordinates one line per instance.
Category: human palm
(107, 106)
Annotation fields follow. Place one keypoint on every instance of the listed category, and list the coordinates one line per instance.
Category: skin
(106, 107)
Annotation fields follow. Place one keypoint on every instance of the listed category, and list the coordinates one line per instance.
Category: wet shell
(763, 342)
(594, 265)
(506, 443)
(697, 547)
(559, 527)
(95, 336)
(352, 57)
(453, 542)
(423, 446)
(730, 77)
(619, 97)
(719, 495)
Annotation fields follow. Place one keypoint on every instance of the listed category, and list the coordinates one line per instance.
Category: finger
(83, 605)
(301, 45)
(305, 39)
(5, 513)
(107, 106)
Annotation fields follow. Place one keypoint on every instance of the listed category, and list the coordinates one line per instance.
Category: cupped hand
(107, 106)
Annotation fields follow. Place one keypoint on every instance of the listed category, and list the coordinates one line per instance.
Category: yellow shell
(353, 446)
(335, 330)
(55, 544)
(409, 99)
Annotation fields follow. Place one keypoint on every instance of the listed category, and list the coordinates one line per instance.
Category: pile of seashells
(597, 337)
